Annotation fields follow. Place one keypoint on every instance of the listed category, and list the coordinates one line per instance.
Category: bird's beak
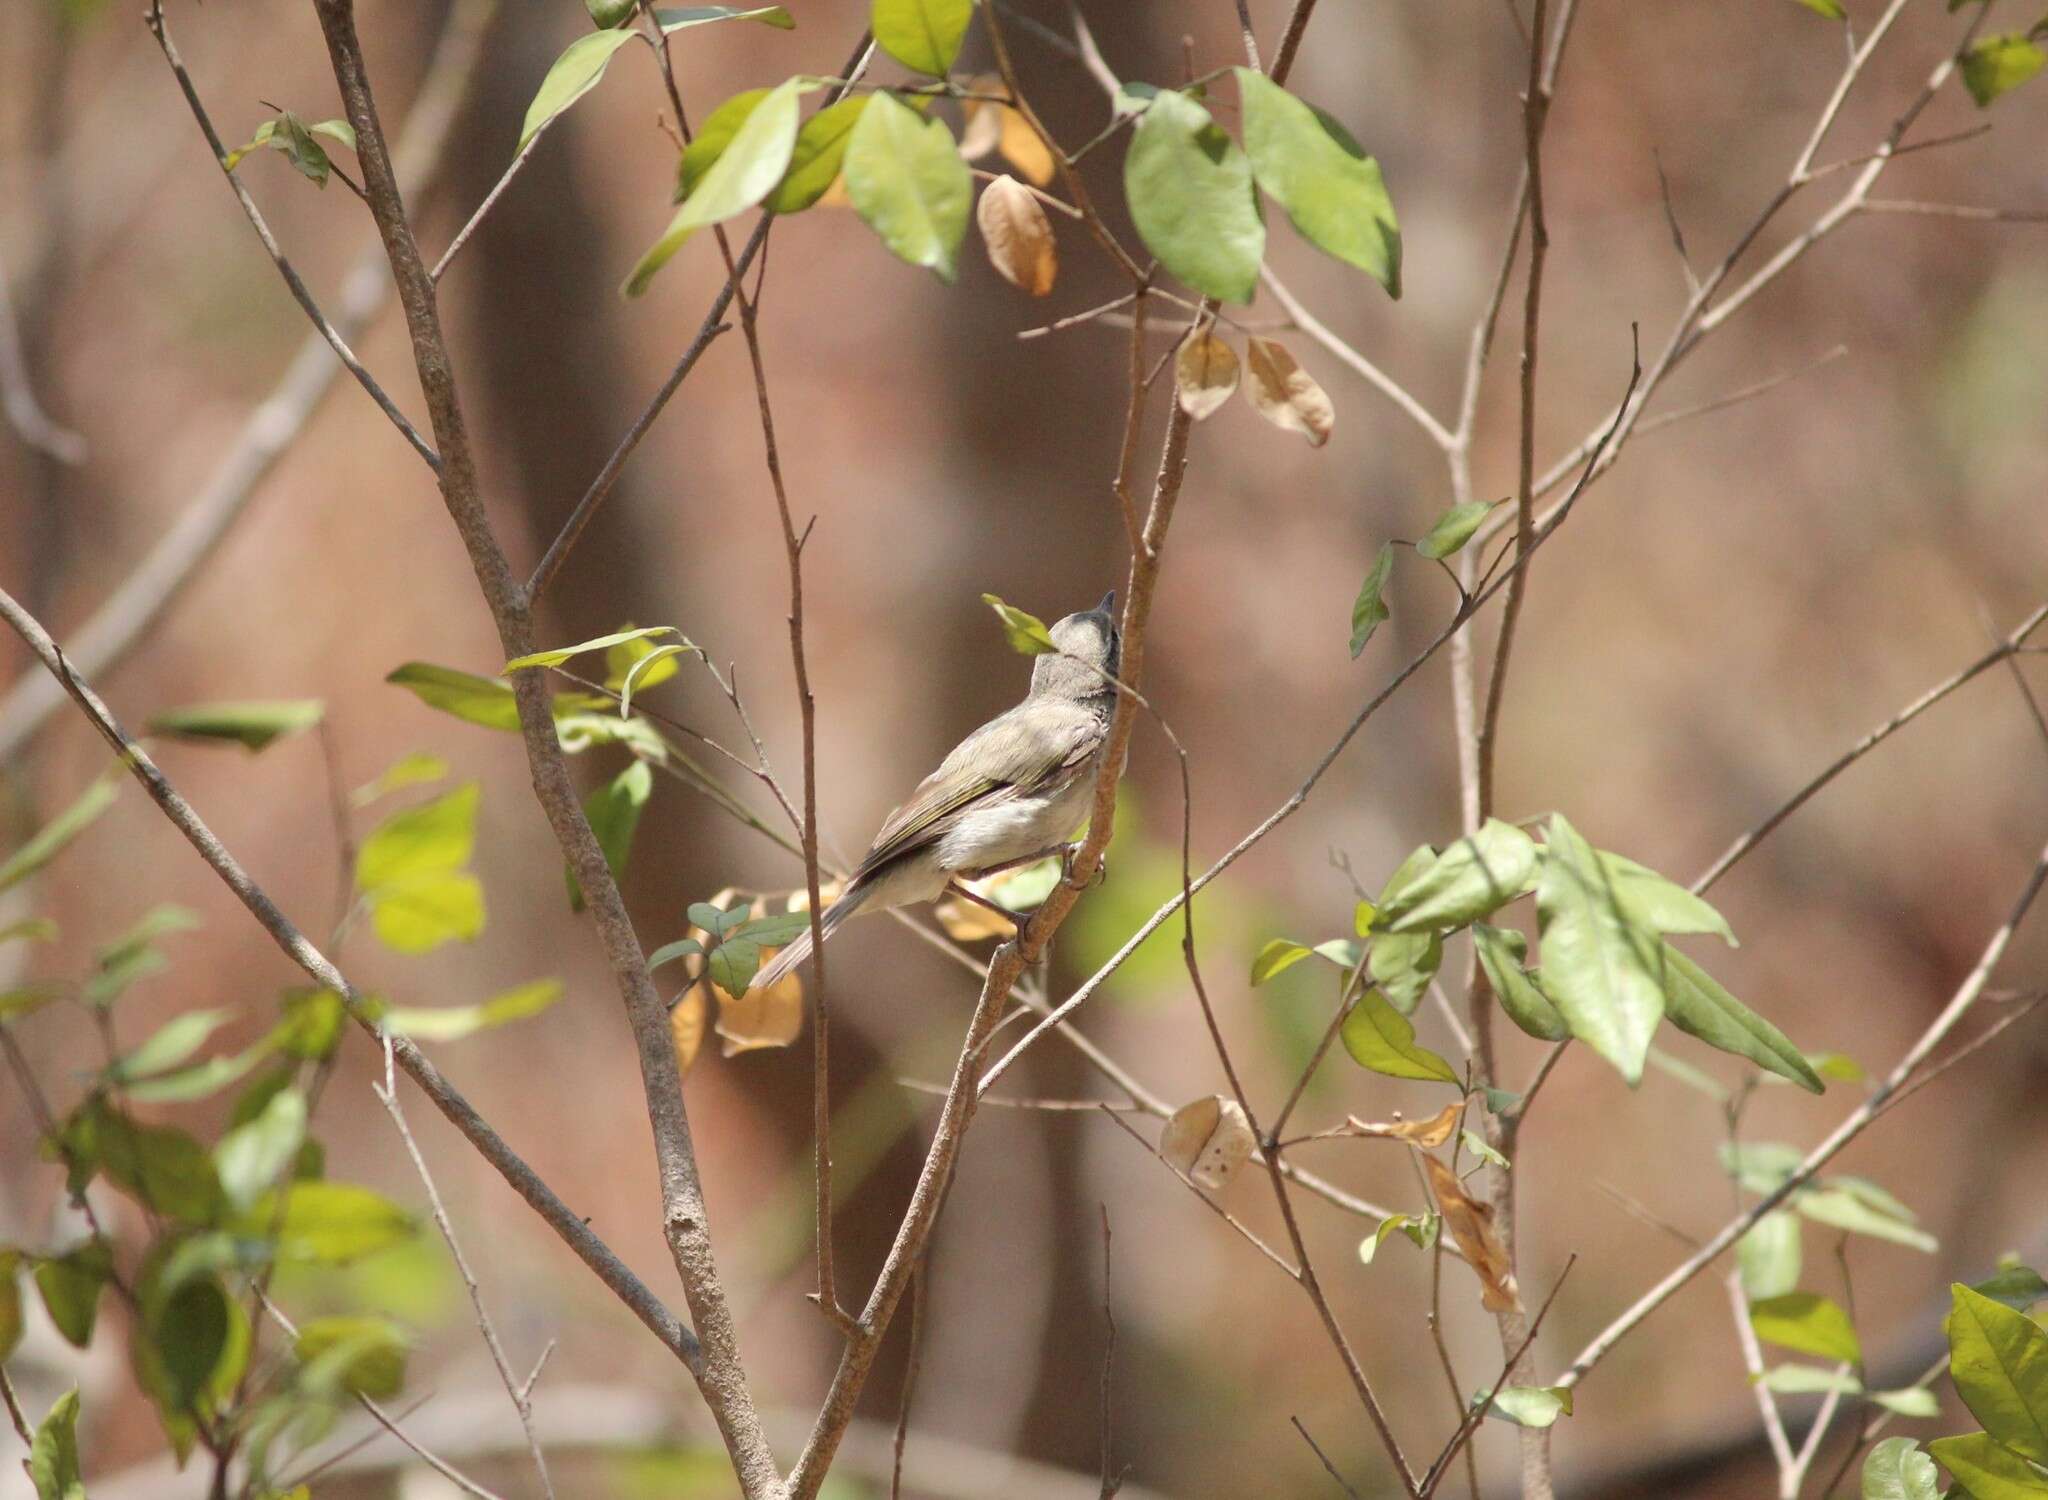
(1108, 604)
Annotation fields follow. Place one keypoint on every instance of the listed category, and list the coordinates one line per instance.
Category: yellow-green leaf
(1380, 1038)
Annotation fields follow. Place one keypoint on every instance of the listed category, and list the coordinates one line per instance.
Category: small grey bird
(1010, 792)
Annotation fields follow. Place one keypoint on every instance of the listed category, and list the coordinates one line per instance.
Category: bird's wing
(1007, 756)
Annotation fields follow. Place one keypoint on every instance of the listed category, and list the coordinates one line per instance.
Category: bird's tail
(799, 947)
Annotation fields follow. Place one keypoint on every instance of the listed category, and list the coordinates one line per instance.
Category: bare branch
(25, 414)
(298, 289)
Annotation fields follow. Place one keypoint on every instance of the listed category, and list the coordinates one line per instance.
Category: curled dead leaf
(800, 898)
(981, 130)
(1208, 1141)
(1018, 236)
(1204, 372)
(1470, 1223)
(1285, 394)
(1431, 1132)
(1022, 147)
(686, 1026)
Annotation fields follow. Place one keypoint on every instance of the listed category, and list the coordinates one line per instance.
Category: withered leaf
(981, 131)
(970, 921)
(1204, 373)
(1285, 394)
(1022, 147)
(1018, 236)
(1470, 1223)
(1208, 1141)
(1431, 1132)
(686, 1026)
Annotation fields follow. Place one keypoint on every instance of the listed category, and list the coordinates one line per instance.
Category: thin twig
(25, 414)
(1753, 1367)
(387, 1095)
(298, 289)
(1328, 1467)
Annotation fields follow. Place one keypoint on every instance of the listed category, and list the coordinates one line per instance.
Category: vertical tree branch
(722, 1378)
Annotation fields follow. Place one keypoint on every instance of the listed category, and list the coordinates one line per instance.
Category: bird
(1010, 793)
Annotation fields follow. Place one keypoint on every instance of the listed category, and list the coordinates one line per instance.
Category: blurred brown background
(1746, 594)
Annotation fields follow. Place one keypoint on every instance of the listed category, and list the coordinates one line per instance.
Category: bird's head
(1090, 649)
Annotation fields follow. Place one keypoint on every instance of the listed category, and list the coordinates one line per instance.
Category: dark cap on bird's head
(1090, 648)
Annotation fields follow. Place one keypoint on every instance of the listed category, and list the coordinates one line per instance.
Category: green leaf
(1998, 1359)
(473, 699)
(335, 130)
(1189, 188)
(714, 921)
(1832, 9)
(414, 769)
(1768, 1256)
(1421, 1230)
(923, 35)
(1896, 1469)
(186, 1335)
(1997, 65)
(328, 1223)
(175, 1041)
(1402, 964)
(1340, 951)
(575, 73)
(1454, 528)
(70, 1285)
(1810, 1380)
(656, 666)
(159, 1166)
(1472, 878)
(668, 953)
(1529, 1405)
(133, 956)
(614, 811)
(447, 1023)
(29, 930)
(249, 1158)
(1380, 1038)
(1369, 609)
(1700, 1008)
(1807, 1324)
(1602, 972)
(291, 135)
(364, 1356)
(733, 964)
(53, 1456)
(1759, 1167)
(1479, 1148)
(434, 837)
(740, 172)
(557, 655)
(1133, 98)
(1519, 994)
(312, 1024)
(1025, 632)
(1987, 1469)
(641, 661)
(10, 1303)
(26, 999)
(418, 913)
(1333, 192)
(1843, 1209)
(2016, 1285)
(820, 151)
(1660, 905)
(1276, 956)
(775, 931)
(906, 180)
(1837, 1066)
(253, 725)
(1911, 1401)
(50, 839)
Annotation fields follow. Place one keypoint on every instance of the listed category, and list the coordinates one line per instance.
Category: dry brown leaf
(1022, 146)
(1204, 373)
(1285, 394)
(1018, 236)
(1471, 1225)
(800, 898)
(686, 1025)
(1208, 1141)
(971, 922)
(773, 1017)
(1431, 1132)
(981, 130)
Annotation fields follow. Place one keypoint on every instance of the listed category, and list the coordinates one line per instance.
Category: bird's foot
(955, 888)
(1070, 852)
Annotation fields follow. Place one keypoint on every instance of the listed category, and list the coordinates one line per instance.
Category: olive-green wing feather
(1007, 756)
